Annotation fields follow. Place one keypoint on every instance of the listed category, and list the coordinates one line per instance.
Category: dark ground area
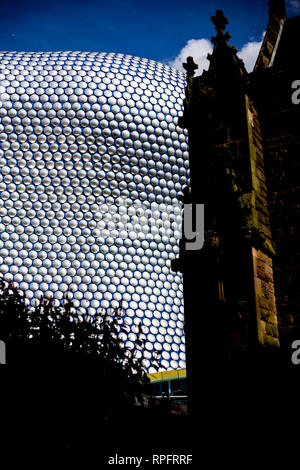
(242, 418)
(245, 415)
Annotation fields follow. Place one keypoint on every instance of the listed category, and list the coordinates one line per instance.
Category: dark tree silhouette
(69, 369)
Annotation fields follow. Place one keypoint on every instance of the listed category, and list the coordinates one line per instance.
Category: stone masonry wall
(262, 261)
(265, 299)
(281, 132)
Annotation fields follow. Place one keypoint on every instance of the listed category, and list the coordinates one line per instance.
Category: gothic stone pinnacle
(220, 21)
(190, 66)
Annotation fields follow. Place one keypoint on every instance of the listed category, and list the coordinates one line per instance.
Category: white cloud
(249, 53)
(199, 48)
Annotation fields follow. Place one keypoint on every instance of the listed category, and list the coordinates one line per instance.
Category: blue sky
(158, 30)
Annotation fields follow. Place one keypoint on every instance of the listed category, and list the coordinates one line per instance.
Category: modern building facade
(91, 165)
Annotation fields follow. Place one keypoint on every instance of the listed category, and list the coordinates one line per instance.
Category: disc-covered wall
(91, 164)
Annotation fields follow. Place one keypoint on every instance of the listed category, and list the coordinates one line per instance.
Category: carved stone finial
(220, 21)
(190, 66)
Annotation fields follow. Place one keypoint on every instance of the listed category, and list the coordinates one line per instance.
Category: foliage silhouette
(75, 366)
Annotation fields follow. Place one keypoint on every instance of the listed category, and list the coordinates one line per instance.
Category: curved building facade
(91, 164)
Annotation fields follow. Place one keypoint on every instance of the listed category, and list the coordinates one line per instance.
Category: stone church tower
(243, 141)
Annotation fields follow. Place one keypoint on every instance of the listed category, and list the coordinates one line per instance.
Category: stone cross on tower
(220, 21)
(190, 67)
